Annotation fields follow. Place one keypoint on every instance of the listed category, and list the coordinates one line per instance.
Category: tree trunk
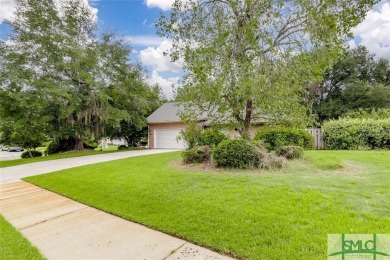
(127, 140)
(247, 120)
(79, 146)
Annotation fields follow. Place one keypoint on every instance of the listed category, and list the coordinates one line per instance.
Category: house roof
(170, 112)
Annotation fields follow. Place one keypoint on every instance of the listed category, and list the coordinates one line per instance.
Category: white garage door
(166, 138)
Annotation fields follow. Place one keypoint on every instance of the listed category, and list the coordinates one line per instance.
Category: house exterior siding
(174, 125)
(167, 119)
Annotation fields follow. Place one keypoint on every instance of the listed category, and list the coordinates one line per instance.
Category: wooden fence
(318, 135)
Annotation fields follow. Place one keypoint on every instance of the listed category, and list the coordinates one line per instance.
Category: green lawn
(13, 245)
(284, 214)
(59, 156)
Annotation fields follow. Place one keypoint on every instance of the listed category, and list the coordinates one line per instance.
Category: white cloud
(154, 56)
(144, 40)
(164, 5)
(6, 9)
(167, 84)
(94, 10)
(9, 42)
(352, 44)
(374, 31)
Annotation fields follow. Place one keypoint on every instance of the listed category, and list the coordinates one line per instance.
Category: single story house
(164, 126)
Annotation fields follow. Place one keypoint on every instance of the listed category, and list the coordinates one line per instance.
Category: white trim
(154, 139)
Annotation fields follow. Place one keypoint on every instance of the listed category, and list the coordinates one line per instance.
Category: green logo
(359, 246)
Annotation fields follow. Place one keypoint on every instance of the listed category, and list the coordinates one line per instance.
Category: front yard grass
(281, 214)
(13, 245)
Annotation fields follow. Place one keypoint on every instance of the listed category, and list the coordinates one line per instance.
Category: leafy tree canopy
(249, 59)
(82, 83)
(357, 81)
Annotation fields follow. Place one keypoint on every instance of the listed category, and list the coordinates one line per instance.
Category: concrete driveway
(15, 173)
(65, 229)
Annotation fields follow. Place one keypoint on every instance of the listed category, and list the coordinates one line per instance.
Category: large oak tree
(83, 83)
(250, 59)
(357, 81)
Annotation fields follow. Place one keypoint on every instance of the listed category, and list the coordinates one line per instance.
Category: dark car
(15, 149)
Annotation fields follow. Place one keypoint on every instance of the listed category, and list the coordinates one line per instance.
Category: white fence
(318, 135)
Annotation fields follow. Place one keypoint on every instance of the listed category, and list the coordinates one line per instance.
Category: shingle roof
(169, 112)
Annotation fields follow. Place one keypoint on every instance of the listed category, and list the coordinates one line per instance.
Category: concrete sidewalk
(15, 173)
(64, 229)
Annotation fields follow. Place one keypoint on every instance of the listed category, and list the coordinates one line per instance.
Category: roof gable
(170, 112)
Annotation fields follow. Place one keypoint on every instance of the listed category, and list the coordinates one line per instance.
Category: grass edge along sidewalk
(276, 214)
(13, 245)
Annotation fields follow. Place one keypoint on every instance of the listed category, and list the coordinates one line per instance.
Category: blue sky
(127, 17)
(134, 19)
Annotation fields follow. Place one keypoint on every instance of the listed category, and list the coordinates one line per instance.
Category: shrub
(197, 155)
(67, 144)
(190, 136)
(271, 161)
(33, 154)
(211, 137)
(261, 145)
(290, 152)
(380, 113)
(129, 148)
(122, 147)
(357, 134)
(89, 144)
(276, 137)
(236, 153)
(61, 145)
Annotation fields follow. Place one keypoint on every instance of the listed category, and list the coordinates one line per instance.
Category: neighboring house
(108, 141)
(165, 125)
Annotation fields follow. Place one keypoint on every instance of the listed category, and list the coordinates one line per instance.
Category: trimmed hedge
(290, 152)
(236, 153)
(261, 145)
(276, 137)
(357, 134)
(211, 137)
(26, 154)
(196, 155)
